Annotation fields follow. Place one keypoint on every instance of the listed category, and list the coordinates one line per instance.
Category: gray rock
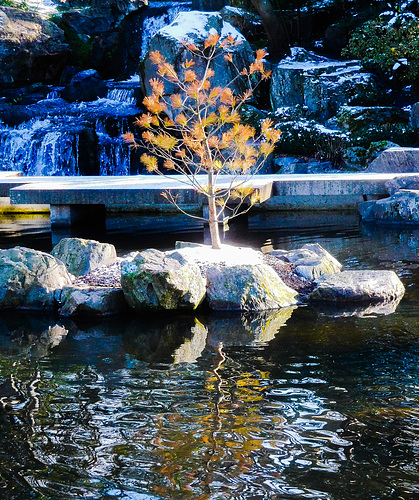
(398, 160)
(358, 286)
(311, 261)
(85, 86)
(83, 256)
(397, 183)
(247, 288)
(321, 84)
(194, 27)
(28, 279)
(156, 281)
(31, 48)
(91, 301)
(400, 208)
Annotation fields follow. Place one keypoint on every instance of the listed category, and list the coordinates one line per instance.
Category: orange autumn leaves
(198, 128)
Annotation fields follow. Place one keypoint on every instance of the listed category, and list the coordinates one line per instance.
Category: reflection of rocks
(192, 348)
(29, 335)
(370, 310)
(156, 339)
(237, 329)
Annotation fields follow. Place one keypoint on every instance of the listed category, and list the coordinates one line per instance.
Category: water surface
(299, 403)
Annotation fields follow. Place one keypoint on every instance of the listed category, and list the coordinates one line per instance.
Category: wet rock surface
(358, 286)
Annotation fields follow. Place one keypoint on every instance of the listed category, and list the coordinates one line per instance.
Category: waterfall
(124, 95)
(113, 153)
(39, 147)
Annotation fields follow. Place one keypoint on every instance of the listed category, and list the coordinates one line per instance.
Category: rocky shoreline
(86, 278)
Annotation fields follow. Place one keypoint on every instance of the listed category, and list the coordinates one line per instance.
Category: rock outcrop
(247, 288)
(320, 84)
(31, 48)
(29, 278)
(156, 281)
(358, 286)
(83, 256)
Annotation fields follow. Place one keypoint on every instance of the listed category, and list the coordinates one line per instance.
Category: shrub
(390, 47)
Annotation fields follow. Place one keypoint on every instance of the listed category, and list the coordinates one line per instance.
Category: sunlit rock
(31, 48)
(28, 279)
(311, 261)
(358, 286)
(91, 301)
(83, 256)
(157, 281)
(247, 288)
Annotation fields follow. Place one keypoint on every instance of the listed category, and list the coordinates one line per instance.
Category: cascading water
(113, 153)
(52, 136)
(40, 147)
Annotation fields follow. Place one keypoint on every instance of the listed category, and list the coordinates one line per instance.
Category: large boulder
(358, 286)
(155, 281)
(247, 288)
(90, 301)
(28, 279)
(320, 84)
(310, 261)
(400, 208)
(31, 48)
(399, 160)
(194, 27)
(83, 256)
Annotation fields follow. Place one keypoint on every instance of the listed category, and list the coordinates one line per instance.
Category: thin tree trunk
(274, 29)
(212, 211)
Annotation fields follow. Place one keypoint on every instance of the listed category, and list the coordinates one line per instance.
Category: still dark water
(299, 403)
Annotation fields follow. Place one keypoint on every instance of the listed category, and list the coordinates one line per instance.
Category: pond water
(300, 403)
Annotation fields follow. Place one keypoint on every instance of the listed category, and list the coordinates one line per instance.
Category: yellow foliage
(176, 101)
(157, 86)
(190, 76)
(150, 162)
(156, 58)
(212, 40)
(153, 104)
(169, 164)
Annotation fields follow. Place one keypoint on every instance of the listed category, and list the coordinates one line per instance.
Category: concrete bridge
(71, 198)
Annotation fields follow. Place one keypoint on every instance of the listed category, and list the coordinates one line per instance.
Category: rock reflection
(29, 335)
(364, 311)
(242, 330)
